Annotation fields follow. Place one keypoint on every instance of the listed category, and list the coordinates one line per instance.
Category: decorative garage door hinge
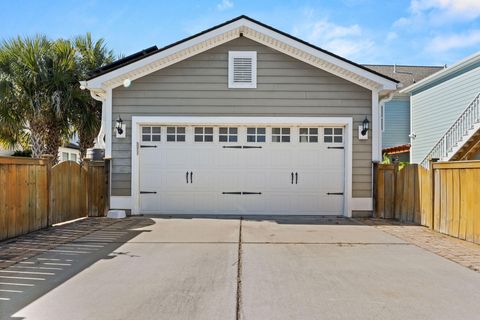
(147, 146)
(241, 192)
(336, 147)
(148, 192)
(335, 193)
(242, 147)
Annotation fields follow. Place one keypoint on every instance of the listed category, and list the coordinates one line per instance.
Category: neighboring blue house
(396, 112)
(446, 113)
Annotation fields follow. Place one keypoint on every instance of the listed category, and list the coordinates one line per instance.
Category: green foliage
(22, 153)
(386, 159)
(40, 99)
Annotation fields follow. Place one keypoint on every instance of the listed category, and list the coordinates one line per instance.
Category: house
(445, 111)
(241, 118)
(69, 152)
(395, 113)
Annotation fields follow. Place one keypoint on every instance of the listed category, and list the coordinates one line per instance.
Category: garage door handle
(292, 177)
(296, 177)
(186, 176)
(191, 176)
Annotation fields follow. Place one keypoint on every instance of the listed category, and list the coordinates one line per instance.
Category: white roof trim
(232, 31)
(474, 58)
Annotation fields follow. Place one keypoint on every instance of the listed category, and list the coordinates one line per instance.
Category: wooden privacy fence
(35, 195)
(445, 197)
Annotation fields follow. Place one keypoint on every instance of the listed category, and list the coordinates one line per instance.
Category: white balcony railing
(450, 142)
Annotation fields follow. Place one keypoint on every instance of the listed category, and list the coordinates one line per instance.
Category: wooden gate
(34, 195)
(445, 198)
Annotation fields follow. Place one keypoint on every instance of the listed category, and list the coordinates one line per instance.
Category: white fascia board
(474, 58)
(383, 83)
(97, 82)
(137, 121)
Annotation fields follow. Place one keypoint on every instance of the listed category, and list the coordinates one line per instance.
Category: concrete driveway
(201, 268)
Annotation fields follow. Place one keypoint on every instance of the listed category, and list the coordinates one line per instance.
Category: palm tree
(24, 97)
(40, 97)
(87, 114)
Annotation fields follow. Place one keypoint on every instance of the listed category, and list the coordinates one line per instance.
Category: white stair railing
(456, 133)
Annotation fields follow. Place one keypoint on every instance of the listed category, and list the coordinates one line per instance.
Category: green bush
(23, 153)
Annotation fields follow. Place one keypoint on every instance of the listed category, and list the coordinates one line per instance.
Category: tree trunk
(53, 139)
(85, 141)
(36, 140)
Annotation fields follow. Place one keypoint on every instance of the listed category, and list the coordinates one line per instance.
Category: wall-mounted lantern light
(366, 126)
(363, 129)
(121, 128)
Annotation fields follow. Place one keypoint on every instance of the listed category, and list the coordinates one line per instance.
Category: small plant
(22, 153)
(386, 159)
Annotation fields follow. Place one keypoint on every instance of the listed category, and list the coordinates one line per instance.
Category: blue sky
(427, 32)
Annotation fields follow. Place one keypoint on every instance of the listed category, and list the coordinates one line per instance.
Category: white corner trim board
(108, 122)
(138, 121)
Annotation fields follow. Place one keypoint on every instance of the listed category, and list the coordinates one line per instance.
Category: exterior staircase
(461, 139)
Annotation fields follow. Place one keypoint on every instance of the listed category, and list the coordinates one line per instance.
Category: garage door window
(309, 135)
(176, 134)
(280, 134)
(333, 135)
(151, 133)
(256, 134)
(228, 134)
(203, 134)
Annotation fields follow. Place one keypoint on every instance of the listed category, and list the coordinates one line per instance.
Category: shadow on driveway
(34, 264)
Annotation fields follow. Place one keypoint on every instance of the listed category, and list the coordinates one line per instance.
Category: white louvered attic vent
(242, 69)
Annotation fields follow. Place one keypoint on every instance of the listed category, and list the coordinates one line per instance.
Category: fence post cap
(46, 156)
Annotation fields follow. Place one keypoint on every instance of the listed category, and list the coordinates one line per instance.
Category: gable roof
(465, 65)
(405, 74)
(153, 58)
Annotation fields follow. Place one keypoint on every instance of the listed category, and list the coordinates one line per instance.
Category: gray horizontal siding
(397, 123)
(199, 86)
(436, 109)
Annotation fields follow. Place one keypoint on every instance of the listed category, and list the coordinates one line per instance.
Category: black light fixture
(366, 126)
(119, 125)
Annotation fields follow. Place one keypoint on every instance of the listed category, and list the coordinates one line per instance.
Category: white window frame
(333, 135)
(255, 135)
(203, 134)
(242, 54)
(281, 135)
(229, 134)
(309, 135)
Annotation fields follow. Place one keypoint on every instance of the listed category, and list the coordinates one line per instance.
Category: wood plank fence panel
(34, 195)
(445, 198)
(22, 202)
(68, 192)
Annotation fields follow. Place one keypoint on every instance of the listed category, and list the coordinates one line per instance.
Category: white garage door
(241, 170)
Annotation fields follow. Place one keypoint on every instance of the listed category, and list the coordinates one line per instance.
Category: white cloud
(439, 12)
(345, 40)
(454, 41)
(224, 5)
(391, 36)
(462, 8)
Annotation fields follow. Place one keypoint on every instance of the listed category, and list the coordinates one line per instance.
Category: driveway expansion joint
(239, 273)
